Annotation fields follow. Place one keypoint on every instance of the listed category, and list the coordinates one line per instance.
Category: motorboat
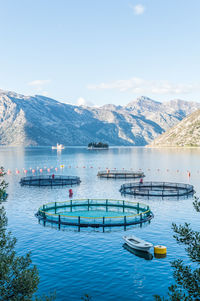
(58, 146)
(137, 243)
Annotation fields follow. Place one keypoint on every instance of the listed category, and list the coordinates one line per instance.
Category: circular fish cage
(49, 180)
(95, 213)
(120, 174)
(157, 189)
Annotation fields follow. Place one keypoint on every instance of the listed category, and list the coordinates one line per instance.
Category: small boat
(58, 146)
(137, 243)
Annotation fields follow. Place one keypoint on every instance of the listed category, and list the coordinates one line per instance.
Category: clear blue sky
(103, 51)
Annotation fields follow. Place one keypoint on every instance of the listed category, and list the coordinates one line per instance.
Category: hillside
(185, 133)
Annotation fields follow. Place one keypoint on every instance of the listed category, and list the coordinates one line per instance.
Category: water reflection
(141, 254)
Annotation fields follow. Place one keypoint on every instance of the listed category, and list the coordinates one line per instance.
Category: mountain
(39, 120)
(185, 133)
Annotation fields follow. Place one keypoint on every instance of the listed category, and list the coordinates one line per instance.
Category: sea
(91, 262)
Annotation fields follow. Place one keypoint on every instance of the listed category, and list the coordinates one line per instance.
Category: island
(98, 145)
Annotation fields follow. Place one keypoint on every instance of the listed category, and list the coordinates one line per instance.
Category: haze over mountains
(39, 120)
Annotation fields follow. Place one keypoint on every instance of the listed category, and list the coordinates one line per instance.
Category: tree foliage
(187, 277)
(18, 277)
(98, 145)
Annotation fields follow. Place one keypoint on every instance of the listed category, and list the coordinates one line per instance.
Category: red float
(70, 192)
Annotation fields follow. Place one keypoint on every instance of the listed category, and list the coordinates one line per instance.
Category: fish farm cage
(157, 189)
(120, 174)
(49, 180)
(95, 213)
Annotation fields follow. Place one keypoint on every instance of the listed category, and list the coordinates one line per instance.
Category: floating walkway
(95, 213)
(120, 174)
(47, 180)
(157, 189)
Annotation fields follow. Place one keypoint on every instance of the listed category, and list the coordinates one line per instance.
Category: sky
(96, 52)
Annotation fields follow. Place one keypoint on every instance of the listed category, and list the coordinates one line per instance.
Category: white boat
(137, 243)
(58, 146)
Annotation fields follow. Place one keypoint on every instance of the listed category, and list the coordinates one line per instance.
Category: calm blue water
(97, 213)
(75, 263)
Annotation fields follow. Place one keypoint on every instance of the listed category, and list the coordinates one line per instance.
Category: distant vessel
(58, 146)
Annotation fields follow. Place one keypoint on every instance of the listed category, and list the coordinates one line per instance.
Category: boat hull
(58, 147)
(138, 253)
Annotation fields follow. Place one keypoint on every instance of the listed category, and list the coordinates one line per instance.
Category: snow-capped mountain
(39, 120)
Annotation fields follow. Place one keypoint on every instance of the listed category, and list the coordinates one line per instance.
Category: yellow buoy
(161, 250)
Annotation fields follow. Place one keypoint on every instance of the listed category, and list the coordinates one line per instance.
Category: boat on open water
(137, 243)
(58, 146)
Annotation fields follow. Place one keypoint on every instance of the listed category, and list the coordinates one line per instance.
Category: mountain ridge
(40, 120)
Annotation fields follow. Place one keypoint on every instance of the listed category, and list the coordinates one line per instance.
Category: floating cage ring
(95, 213)
(49, 180)
(157, 189)
(120, 174)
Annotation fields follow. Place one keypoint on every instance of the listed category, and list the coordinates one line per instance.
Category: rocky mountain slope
(185, 133)
(39, 120)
